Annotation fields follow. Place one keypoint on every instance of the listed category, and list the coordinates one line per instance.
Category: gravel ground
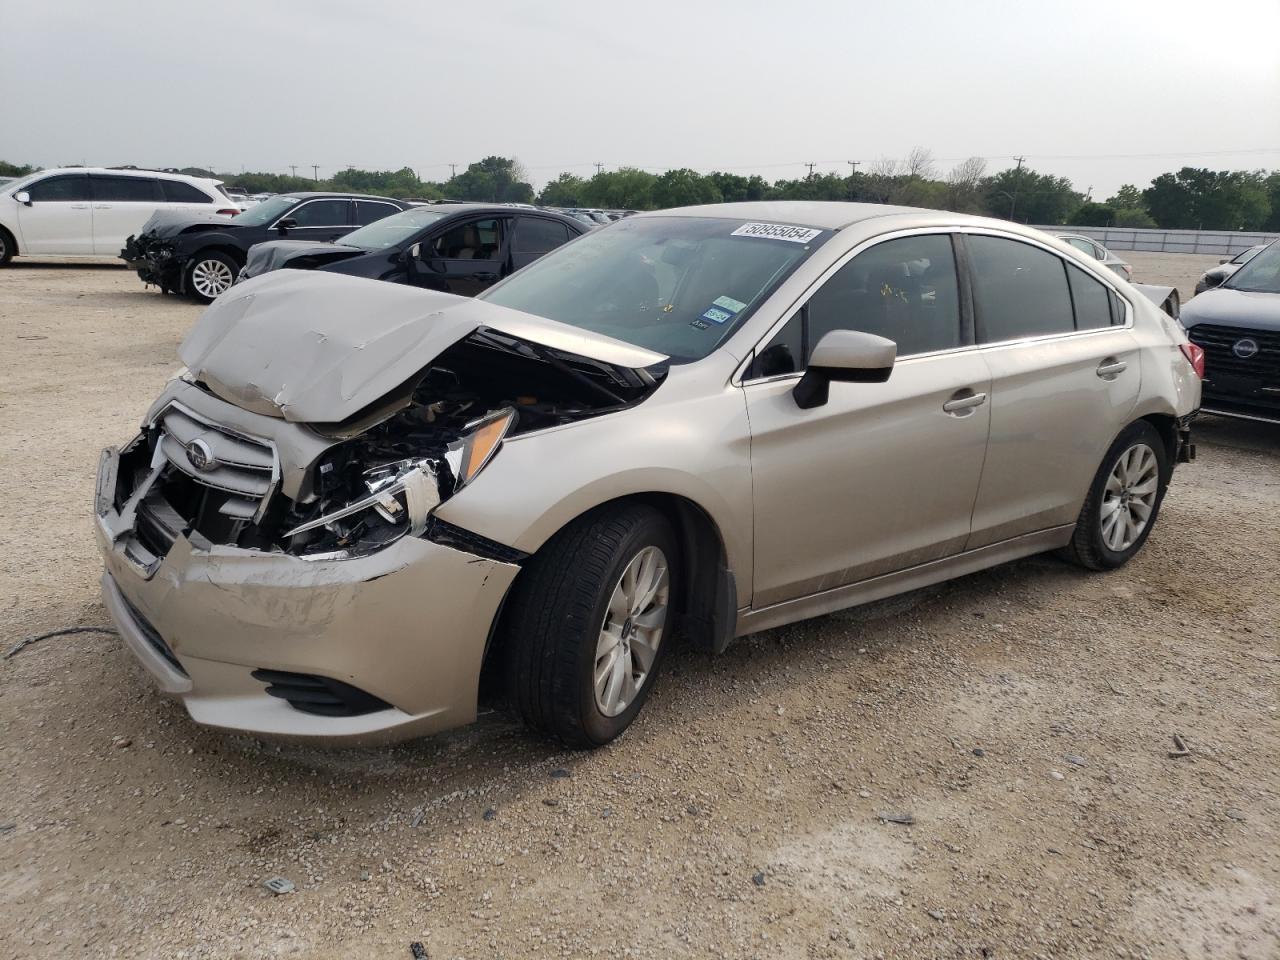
(1022, 717)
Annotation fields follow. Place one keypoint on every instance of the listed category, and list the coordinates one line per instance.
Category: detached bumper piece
(321, 696)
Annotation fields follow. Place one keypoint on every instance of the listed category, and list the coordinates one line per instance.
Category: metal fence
(1224, 243)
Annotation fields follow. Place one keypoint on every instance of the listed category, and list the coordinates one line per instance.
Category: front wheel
(210, 274)
(584, 633)
(7, 247)
(1124, 500)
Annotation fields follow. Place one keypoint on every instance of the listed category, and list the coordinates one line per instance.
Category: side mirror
(1224, 260)
(414, 252)
(288, 223)
(23, 197)
(848, 356)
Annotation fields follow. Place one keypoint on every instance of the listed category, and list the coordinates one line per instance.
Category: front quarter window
(677, 285)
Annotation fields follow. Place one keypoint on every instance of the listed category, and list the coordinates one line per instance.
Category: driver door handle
(1110, 367)
(964, 401)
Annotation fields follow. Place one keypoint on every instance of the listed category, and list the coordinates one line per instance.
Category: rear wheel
(583, 636)
(7, 247)
(211, 273)
(1123, 501)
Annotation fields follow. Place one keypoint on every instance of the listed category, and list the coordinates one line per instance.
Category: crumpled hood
(320, 347)
(170, 223)
(274, 254)
(1233, 308)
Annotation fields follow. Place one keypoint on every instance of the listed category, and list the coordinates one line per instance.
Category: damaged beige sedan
(362, 510)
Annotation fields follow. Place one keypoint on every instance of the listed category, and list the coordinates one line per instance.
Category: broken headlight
(402, 493)
(468, 456)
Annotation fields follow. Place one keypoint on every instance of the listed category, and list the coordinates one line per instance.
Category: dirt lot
(1023, 717)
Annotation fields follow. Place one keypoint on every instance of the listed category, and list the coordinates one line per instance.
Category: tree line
(1189, 198)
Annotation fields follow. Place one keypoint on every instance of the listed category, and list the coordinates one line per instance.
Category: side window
(1084, 246)
(782, 354)
(369, 211)
(321, 213)
(1117, 308)
(178, 191)
(535, 235)
(1091, 299)
(73, 186)
(1018, 290)
(902, 289)
(473, 240)
(126, 189)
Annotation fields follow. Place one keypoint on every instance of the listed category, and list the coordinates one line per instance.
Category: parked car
(1237, 324)
(1214, 276)
(361, 500)
(1092, 248)
(201, 256)
(457, 248)
(88, 211)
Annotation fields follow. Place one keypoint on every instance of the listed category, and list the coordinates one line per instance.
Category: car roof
(312, 194)
(125, 171)
(827, 214)
(450, 209)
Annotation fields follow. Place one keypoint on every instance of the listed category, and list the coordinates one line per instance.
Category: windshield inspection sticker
(728, 303)
(716, 315)
(776, 231)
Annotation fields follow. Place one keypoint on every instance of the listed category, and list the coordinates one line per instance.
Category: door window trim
(316, 226)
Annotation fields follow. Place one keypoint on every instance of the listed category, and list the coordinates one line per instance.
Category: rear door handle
(102, 206)
(963, 402)
(79, 206)
(1111, 367)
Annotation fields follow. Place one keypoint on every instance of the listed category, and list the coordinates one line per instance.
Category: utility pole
(1088, 194)
(453, 170)
(810, 166)
(853, 168)
(599, 168)
(293, 169)
(1017, 179)
(315, 172)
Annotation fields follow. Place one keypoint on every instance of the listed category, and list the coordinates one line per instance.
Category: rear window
(127, 189)
(1019, 291)
(178, 191)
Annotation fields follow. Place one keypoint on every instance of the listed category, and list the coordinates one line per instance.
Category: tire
(1105, 536)
(7, 247)
(569, 604)
(210, 273)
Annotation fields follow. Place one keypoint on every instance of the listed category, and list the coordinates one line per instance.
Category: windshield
(265, 212)
(1248, 254)
(1259, 275)
(678, 285)
(393, 230)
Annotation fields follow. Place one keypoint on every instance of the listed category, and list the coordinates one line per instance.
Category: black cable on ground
(55, 633)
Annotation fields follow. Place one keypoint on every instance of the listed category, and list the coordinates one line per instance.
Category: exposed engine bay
(387, 466)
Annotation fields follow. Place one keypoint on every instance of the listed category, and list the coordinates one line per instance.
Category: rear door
(371, 211)
(535, 236)
(121, 205)
(1065, 378)
(60, 217)
(464, 259)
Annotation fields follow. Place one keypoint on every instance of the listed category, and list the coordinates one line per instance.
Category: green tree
(1127, 197)
(492, 180)
(1201, 199)
(627, 188)
(684, 188)
(734, 188)
(1093, 214)
(1030, 197)
(16, 169)
(1134, 217)
(390, 183)
(566, 190)
(1272, 185)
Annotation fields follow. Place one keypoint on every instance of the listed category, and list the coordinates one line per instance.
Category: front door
(325, 219)
(60, 217)
(465, 259)
(1065, 376)
(883, 476)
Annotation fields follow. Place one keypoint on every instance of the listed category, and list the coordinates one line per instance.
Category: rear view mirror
(848, 356)
(23, 197)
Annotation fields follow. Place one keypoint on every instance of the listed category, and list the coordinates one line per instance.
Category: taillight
(1195, 356)
(229, 212)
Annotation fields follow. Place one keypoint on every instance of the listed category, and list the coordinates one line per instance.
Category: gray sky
(1103, 93)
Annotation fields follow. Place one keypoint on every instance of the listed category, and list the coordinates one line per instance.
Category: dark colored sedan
(200, 255)
(1214, 276)
(457, 248)
(1238, 325)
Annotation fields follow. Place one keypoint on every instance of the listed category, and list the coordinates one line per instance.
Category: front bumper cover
(408, 624)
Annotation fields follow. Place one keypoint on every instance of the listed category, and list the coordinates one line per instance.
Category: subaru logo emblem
(1244, 349)
(200, 455)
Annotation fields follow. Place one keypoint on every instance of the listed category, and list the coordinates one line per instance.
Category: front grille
(242, 467)
(1221, 359)
(152, 636)
(319, 695)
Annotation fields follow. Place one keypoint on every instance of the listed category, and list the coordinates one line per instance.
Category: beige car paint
(877, 492)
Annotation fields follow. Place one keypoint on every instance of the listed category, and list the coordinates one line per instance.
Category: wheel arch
(12, 239)
(237, 256)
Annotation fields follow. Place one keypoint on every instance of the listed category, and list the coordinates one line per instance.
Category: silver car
(1092, 248)
(365, 508)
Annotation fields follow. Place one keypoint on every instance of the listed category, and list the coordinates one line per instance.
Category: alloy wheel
(211, 277)
(631, 632)
(1129, 497)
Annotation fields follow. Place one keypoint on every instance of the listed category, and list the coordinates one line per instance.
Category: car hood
(170, 223)
(274, 254)
(321, 347)
(1233, 308)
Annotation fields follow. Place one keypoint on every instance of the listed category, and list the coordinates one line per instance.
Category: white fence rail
(1224, 243)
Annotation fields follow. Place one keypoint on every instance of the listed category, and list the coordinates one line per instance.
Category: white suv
(89, 211)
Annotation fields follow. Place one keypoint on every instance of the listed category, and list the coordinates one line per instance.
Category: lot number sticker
(776, 231)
